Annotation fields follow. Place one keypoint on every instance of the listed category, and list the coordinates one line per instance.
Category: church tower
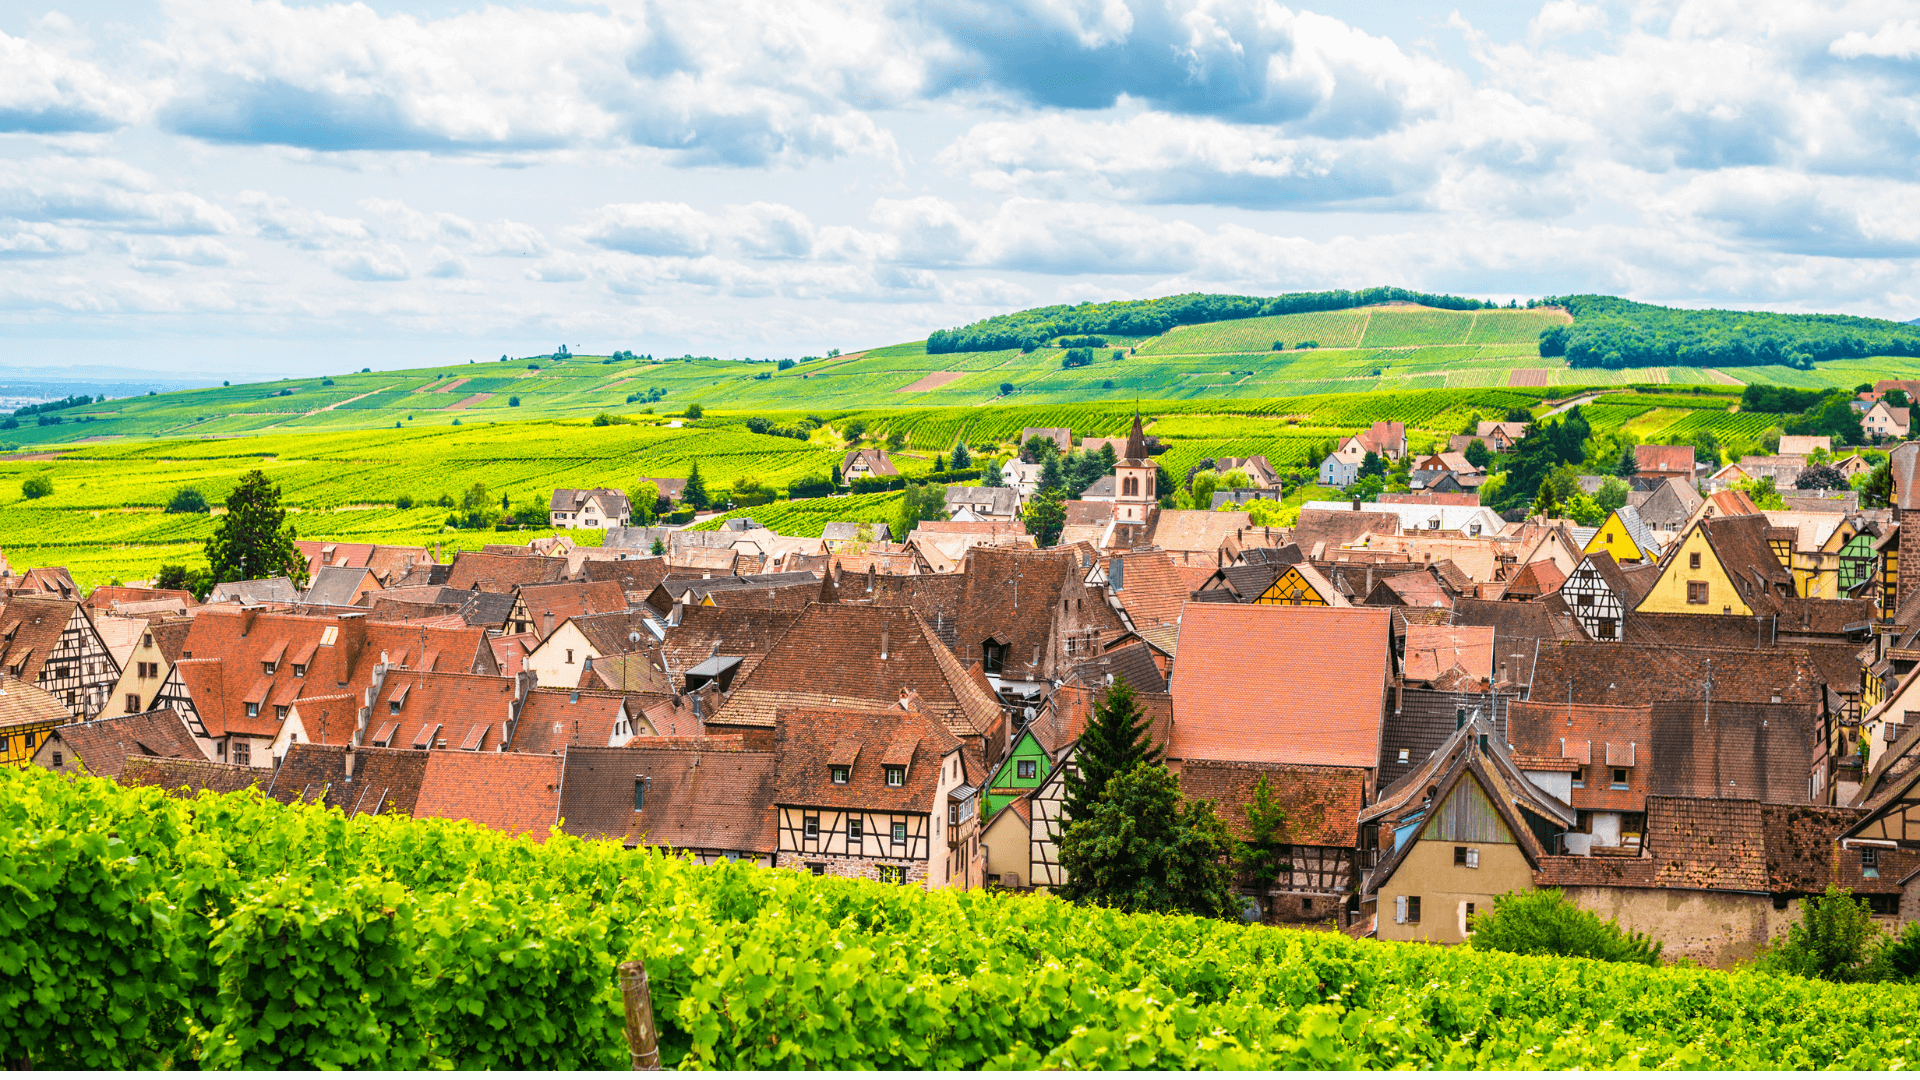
(1133, 473)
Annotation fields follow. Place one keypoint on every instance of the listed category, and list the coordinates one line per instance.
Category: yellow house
(1812, 552)
(1454, 835)
(1721, 566)
(1303, 586)
(1625, 537)
(28, 716)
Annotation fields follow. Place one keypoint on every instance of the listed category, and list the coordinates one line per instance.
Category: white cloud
(1563, 18)
(1894, 41)
(371, 262)
(50, 87)
(650, 229)
(103, 193)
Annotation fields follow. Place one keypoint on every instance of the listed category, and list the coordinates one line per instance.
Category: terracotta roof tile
(554, 719)
(1322, 804)
(1294, 685)
(381, 781)
(103, 746)
(502, 573)
(513, 793)
(1431, 650)
(811, 739)
(187, 777)
(700, 797)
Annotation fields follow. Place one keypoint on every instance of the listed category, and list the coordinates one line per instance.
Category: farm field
(469, 949)
(104, 519)
(1398, 348)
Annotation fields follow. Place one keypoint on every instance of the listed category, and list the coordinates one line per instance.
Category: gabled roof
(1433, 650)
(1014, 596)
(1196, 531)
(184, 776)
(877, 462)
(1322, 804)
(379, 781)
(566, 599)
(706, 632)
(1664, 459)
(501, 573)
(570, 500)
(30, 628)
(103, 746)
(513, 793)
(1547, 618)
(1132, 662)
(23, 704)
(553, 719)
(1637, 674)
(1313, 694)
(339, 586)
(637, 576)
(466, 711)
(1740, 543)
(706, 794)
(809, 740)
(860, 656)
(1148, 586)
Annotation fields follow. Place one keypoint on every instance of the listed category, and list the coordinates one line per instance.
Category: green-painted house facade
(1023, 771)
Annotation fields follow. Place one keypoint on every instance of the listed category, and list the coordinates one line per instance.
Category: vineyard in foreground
(233, 932)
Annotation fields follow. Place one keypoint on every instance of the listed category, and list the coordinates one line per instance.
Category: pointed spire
(1136, 441)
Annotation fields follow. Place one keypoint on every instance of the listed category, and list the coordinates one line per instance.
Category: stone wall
(843, 866)
(1713, 929)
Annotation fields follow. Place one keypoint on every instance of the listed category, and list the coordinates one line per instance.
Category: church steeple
(1136, 440)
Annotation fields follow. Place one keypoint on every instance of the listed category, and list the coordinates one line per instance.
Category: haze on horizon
(255, 187)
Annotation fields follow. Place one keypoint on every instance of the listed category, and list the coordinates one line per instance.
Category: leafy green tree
(896, 440)
(694, 411)
(1038, 448)
(253, 539)
(187, 501)
(991, 477)
(962, 459)
(939, 463)
(695, 493)
(658, 548)
(1144, 849)
(1052, 475)
(853, 431)
(1478, 455)
(1373, 465)
(833, 474)
(1542, 923)
(38, 486)
(1046, 516)
(1877, 488)
(1006, 389)
(1821, 477)
(199, 582)
(1611, 496)
(1834, 939)
(1763, 493)
(1899, 959)
(1204, 484)
(1264, 855)
(1896, 399)
(1584, 509)
(923, 502)
(642, 500)
(1116, 739)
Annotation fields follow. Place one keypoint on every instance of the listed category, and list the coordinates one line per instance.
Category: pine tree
(659, 547)
(939, 463)
(1115, 740)
(1052, 475)
(254, 540)
(990, 476)
(1144, 848)
(1629, 465)
(695, 494)
(961, 459)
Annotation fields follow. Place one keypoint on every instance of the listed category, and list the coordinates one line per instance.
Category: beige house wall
(1009, 847)
(1445, 889)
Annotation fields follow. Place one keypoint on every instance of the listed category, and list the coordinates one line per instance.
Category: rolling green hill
(1398, 347)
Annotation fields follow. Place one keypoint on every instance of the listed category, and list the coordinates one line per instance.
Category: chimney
(1356, 504)
(436, 552)
(349, 763)
(674, 618)
(546, 626)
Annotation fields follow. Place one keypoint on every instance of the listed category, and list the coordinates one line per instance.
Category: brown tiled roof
(105, 598)
(30, 628)
(103, 746)
(1133, 662)
(1322, 804)
(831, 655)
(1417, 588)
(1294, 685)
(1536, 579)
(1014, 596)
(809, 739)
(1664, 459)
(22, 703)
(1431, 650)
(1557, 737)
(553, 719)
(1197, 532)
(1152, 590)
(636, 576)
(1638, 674)
(1331, 528)
(568, 599)
(937, 598)
(707, 632)
(1547, 618)
(185, 776)
(697, 798)
(436, 706)
(1756, 750)
(1905, 464)
(382, 781)
(502, 573)
(514, 793)
(1740, 543)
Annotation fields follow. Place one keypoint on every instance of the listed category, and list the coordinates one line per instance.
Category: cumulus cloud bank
(746, 173)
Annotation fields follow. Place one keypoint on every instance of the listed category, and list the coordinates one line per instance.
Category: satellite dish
(1030, 713)
(634, 636)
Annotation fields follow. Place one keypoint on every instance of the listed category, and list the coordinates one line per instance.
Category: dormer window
(393, 707)
(253, 708)
(839, 773)
(268, 665)
(896, 775)
(280, 712)
(299, 671)
(1580, 777)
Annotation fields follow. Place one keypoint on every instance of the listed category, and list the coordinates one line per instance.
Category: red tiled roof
(1664, 459)
(704, 795)
(811, 740)
(1294, 685)
(104, 746)
(1152, 587)
(1322, 804)
(514, 793)
(568, 599)
(553, 719)
(501, 573)
(1431, 650)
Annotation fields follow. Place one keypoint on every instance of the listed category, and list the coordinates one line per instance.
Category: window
(253, 708)
(1608, 630)
(146, 640)
(569, 656)
(133, 703)
(1869, 863)
(1693, 560)
(280, 712)
(896, 776)
(1026, 769)
(1459, 856)
(1406, 755)
(1469, 916)
(1884, 903)
(811, 826)
(1609, 538)
(1586, 599)
(1619, 779)
(856, 830)
(243, 752)
(993, 657)
(1580, 777)
(639, 794)
(817, 869)
(268, 666)
(1696, 592)
(893, 875)
(58, 760)
(1413, 909)
(299, 670)
(953, 813)
(900, 832)
(393, 708)
(839, 773)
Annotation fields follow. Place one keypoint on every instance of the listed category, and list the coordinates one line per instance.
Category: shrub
(1006, 388)
(323, 382)
(1077, 358)
(513, 402)
(1308, 345)
(1833, 940)
(694, 412)
(758, 424)
(1543, 923)
(404, 502)
(1279, 346)
(288, 392)
(187, 501)
(36, 487)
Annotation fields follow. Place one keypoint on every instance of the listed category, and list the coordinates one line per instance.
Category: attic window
(640, 784)
(1580, 777)
(253, 708)
(1693, 560)
(896, 776)
(839, 774)
(330, 635)
(299, 671)
(1619, 779)
(1406, 755)
(1027, 769)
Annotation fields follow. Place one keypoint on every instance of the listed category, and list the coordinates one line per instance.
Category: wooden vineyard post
(643, 1042)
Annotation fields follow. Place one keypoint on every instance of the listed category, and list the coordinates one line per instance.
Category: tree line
(1609, 332)
(1142, 318)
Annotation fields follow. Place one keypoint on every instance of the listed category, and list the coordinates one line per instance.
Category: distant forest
(1609, 332)
(1144, 318)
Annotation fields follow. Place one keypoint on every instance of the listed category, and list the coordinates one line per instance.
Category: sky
(261, 187)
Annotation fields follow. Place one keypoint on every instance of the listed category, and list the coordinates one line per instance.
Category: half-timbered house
(1321, 832)
(1300, 585)
(53, 644)
(1600, 593)
(880, 794)
(28, 718)
(145, 671)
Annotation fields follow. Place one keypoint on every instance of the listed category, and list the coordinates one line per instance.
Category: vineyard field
(231, 931)
(810, 517)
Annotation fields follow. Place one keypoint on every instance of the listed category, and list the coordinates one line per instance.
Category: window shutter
(1399, 909)
(1473, 858)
